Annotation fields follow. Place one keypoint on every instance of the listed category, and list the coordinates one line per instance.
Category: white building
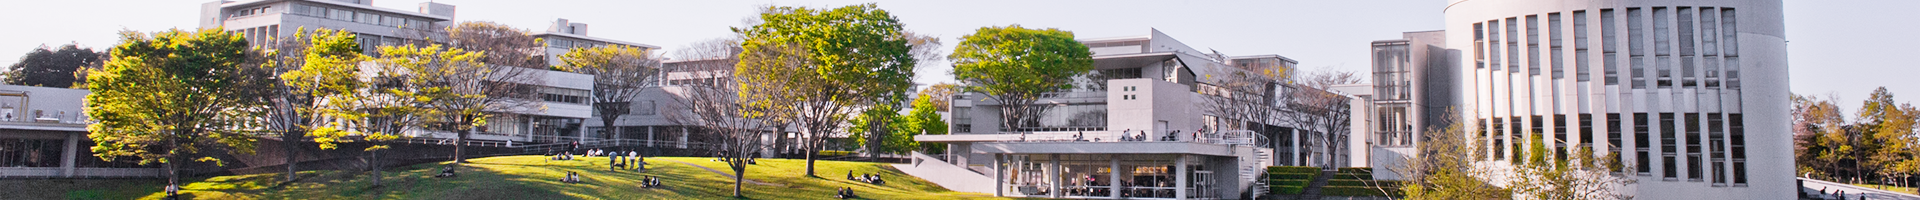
(43, 133)
(1658, 82)
(1142, 111)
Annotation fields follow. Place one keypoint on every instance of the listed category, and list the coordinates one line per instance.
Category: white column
(1113, 176)
(1053, 177)
(1180, 177)
(650, 134)
(999, 176)
(67, 155)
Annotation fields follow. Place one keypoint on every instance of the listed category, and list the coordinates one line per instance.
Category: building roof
(583, 37)
(341, 4)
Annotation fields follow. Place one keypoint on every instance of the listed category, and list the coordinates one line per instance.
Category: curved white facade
(1690, 93)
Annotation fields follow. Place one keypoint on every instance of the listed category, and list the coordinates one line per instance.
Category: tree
(942, 94)
(339, 102)
(175, 94)
(1890, 127)
(827, 63)
(924, 119)
(1236, 99)
(1014, 66)
(874, 127)
(45, 67)
(620, 74)
(318, 65)
(721, 108)
(1443, 167)
(466, 93)
(1584, 176)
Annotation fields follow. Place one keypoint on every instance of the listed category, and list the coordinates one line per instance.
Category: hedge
(1356, 191)
(1295, 182)
(1292, 169)
(1361, 183)
(834, 153)
(1288, 189)
(1352, 176)
(1284, 176)
(1357, 170)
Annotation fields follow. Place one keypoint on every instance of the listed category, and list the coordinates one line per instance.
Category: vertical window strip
(1479, 46)
(1580, 46)
(1642, 141)
(1636, 47)
(1614, 137)
(1668, 148)
(1513, 45)
(1662, 47)
(1533, 45)
(1730, 36)
(1686, 40)
(1717, 149)
(1736, 135)
(1608, 38)
(1693, 147)
(1553, 46)
(1493, 44)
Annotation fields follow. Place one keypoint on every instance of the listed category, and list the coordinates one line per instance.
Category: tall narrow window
(1642, 143)
(1560, 136)
(1513, 45)
(1493, 45)
(1553, 47)
(1580, 46)
(1482, 149)
(1479, 46)
(1500, 138)
(1693, 147)
(1686, 38)
(1586, 130)
(1533, 45)
(1516, 137)
(1710, 47)
(1614, 137)
(1662, 47)
(1669, 148)
(1736, 135)
(1608, 58)
(1636, 47)
(1716, 150)
(1730, 36)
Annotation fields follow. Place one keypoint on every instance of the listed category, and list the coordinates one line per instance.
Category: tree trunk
(606, 131)
(375, 164)
(173, 161)
(460, 146)
(292, 143)
(739, 174)
(810, 151)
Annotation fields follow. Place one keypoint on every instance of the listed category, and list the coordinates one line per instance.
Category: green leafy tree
(45, 67)
(1891, 127)
(1584, 176)
(924, 119)
(297, 61)
(1443, 168)
(823, 65)
(942, 94)
(620, 74)
(875, 126)
(1013, 65)
(170, 96)
(450, 90)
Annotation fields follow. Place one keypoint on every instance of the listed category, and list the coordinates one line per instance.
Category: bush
(1352, 176)
(1288, 189)
(1357, 191)
(1347, 182)
(1291, 182)
(1292, 169)
(1288, 176)
(834, 153)
(1355, 170)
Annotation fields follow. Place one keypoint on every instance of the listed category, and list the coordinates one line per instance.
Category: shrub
(1357, 191)
(1357, 170)
(1282, 176)
(834, 153)
(1354, 176)
(1292, 169)
(1292, 182)
(1288, 189)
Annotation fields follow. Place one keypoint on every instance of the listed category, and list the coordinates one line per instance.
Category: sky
(1840, 47)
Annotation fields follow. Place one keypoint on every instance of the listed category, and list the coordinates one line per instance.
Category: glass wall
(1091, 176)
(17, 152)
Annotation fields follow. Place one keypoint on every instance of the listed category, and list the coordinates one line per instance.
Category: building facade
(43, 134)
(1413, 89)
(1138, 126)
(563, 100)
(1656, 83)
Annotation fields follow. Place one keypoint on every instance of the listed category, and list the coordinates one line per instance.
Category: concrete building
(1413, 90)
(1658, 83)
(1141, 111)
(564, 96)
(43, 133)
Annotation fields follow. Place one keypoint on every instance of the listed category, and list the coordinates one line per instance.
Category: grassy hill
(525, 177)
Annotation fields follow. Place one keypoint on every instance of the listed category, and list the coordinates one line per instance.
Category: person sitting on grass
(572, 177)
(850, 175)
(173, 191)
(845, 193)
(445, 172)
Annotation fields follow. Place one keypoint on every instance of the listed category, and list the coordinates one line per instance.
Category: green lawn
(1906, 190)
(522, 177)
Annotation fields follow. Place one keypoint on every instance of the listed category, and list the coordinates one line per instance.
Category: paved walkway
(728, 175)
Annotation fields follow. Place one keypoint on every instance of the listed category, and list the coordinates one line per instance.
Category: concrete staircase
(1312, 191)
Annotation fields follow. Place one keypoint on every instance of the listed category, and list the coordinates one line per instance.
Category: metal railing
(1234, 137)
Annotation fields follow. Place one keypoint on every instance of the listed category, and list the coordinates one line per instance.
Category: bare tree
(1236, 99)
(1311, 107)
(719, 110)
(507, 80)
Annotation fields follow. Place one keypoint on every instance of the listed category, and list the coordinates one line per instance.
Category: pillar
(1180, 177)
(650, 135)
(999, 175)
(1113, 176)
(67, 155)
(1053, 177)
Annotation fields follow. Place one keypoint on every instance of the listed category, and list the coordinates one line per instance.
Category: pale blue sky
(1845, 47)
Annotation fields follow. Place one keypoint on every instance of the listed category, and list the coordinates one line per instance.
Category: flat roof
(342, 4)
(570, 35)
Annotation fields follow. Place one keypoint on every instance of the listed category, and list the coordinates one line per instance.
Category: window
(1586, 130)
(17, 152)
(1716, 150)
(1613, 136)
(1668, 148)
(646, 107)
(1607, 40)
(1513, 45)
(1662, 48)
(1693, 147)
(1730, 34)
(1686, 48)
(1642, 143)
(1710, 47)
(1533, 45)
(1499, 138)
(342, 15)
(1736, 135)
(1636, 47)
(1493, 48)
(1479, 46)
(1553, 46)
(1580, 46)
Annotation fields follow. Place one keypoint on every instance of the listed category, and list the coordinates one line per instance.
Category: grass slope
(528, 177)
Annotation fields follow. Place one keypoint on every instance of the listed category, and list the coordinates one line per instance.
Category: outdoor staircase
(1313, 189)
(1257, 172)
